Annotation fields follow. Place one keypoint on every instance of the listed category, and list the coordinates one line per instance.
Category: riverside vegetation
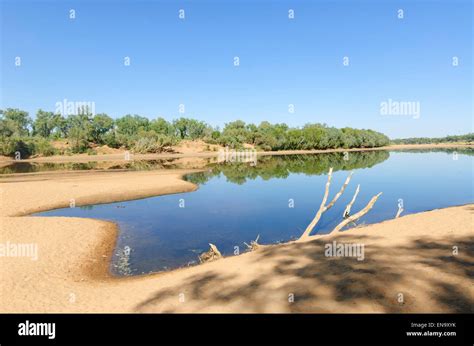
(85, 131)
(468, 138)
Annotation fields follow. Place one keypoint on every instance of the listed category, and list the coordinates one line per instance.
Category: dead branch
(323, 207)
(211, 255)
(400, 210)
(254, 245)
(347, 211)
(357, 215)
(341, 191)
(320, 210)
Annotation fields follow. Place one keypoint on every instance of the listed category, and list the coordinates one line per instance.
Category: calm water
(236, 202)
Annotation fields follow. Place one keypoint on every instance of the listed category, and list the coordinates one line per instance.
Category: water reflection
(134, 165)
(268, 167)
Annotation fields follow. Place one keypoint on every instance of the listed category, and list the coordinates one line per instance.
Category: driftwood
(347, 211)
(254, 245)
(400, 210)
(211, 255)
(323, 207)
(320, 210)
(348, 219)
(339, 194)
(357, 215)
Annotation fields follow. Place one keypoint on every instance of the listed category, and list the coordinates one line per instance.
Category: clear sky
(283, 61)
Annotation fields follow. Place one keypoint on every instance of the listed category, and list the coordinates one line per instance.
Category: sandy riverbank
(117, 157)
(412, 255)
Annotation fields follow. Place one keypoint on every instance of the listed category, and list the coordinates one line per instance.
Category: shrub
(110, 139)
(43, 147)
(91, 151)
(153, 144)
(9, 146)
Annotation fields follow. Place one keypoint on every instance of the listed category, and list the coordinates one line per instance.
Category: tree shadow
(418, 276)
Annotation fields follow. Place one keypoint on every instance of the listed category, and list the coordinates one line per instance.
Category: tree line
(468, 138)
(85, 131)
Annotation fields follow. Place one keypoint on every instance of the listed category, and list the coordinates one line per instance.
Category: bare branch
(347, 211)
(357, 215)
(341, 191)
(400, 210)
(313, 223)
(254, 245)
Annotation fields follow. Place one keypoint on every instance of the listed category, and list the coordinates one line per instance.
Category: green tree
(181, 127)
(101, 124)
(46, 123)
(130, 125)
(162, 126)
(80, 131)
(14, 122)
(190, 128)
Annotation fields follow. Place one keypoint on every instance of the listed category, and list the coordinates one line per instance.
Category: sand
(408, 266)
(25, 195)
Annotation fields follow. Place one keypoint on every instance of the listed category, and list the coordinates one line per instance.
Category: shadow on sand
(426, 272)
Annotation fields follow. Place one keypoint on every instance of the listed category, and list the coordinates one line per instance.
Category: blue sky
(282, 61)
